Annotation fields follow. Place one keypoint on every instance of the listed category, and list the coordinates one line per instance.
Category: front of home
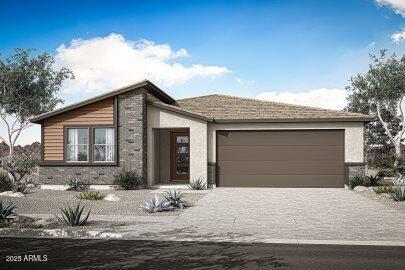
(225, 141)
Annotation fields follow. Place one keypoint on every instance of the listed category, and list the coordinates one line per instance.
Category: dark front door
(180, 156)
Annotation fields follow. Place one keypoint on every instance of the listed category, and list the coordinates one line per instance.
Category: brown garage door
(280, 158)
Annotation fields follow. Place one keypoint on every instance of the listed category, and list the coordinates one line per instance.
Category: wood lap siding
(100, 113)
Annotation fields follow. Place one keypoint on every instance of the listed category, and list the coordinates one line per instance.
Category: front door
(180, 156)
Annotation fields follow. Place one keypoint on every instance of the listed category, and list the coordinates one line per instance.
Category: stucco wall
(161, 118)
(354, 140)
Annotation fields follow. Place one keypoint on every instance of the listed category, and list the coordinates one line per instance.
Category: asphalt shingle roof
(223, 107)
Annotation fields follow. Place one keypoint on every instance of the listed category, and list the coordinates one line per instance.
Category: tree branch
(384, 124)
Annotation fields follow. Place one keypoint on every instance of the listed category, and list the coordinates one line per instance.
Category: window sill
(76, 164)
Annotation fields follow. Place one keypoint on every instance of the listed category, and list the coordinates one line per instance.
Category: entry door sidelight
(180, 156)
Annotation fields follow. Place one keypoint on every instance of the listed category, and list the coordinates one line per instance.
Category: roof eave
(180, 111)
(149, 86)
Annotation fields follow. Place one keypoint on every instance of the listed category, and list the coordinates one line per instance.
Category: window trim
(90, 161)
(66, 145)
(94, 144)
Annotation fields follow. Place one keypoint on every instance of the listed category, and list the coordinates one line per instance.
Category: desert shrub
(176, 199)
(73, 216)
(197, 184)
(19, 165)
(92, 195)
(156, 204)
(383, 189)
(5, 183)
(385, 164)
(6, 212)
(398, 194)
(358, 180)
(76, 184)
(128, 179)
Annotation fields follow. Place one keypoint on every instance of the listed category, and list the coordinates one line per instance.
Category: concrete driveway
(293, 215)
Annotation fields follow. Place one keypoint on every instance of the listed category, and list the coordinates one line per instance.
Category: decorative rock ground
(111, 198)
(360, 189)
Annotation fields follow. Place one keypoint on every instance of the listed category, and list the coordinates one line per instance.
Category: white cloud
(372, 44)
(322, 98)
(397, 5)
(104, 63)
(398, 36)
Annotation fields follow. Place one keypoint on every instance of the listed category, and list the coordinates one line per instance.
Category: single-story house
(224, 140)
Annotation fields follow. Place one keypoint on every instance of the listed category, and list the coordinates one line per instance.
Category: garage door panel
(280, 167)
(285, 153)
(299, 158)
(283, 181)
(286, 138)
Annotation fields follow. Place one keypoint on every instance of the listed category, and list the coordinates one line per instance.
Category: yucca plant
(176, 199)
(72, 216)
(197, 184)
(92, 195)
(6, 212)
(398, 194)
(156, 204)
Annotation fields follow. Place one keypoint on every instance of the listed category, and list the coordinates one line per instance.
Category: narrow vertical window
(104, 145)
(77, 145)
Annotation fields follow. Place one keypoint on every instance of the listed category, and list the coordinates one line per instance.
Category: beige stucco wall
(161, 118)
(354, 140)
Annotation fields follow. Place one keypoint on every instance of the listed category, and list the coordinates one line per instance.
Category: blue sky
(189, 48)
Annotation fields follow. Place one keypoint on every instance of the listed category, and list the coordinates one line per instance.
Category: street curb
(105, 234)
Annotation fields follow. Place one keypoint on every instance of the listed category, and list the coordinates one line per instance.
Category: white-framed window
(77, 145)
(103, 144)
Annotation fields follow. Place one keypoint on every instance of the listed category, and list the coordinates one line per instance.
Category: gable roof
(149, 86)
(222, 108)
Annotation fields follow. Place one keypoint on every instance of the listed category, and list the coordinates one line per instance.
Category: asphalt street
(47, 253)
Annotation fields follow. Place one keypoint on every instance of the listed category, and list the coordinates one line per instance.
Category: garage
(288, 159)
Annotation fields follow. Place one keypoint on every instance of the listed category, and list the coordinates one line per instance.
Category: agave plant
(76, 184)
(197, 184)
(6, 212)
(21, 187)
(176, 199)
(398, 194)
(156, 204)
(72, 216)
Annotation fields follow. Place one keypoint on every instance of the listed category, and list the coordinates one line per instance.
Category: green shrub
(72, 216)
(197, 184)
(398, 194)
(92, 195)
(128, 179)
(76, 184)
(5, 183)
(383, 189)
(6, 212)
(176, 199)
(357, 180)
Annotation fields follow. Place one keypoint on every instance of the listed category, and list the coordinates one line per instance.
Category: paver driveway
(272, 213)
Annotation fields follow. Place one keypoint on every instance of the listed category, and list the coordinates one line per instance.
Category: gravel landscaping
(40, 201)
(383, 198)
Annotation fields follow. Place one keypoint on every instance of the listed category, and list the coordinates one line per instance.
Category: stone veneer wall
(353, 169)
(131, 146)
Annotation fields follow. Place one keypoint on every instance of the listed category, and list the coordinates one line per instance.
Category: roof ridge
(281, 103)
(198, 97)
